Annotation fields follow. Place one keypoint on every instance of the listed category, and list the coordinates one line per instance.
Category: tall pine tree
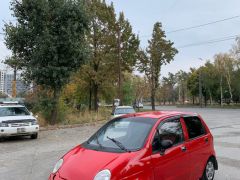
(127, 45)
(101, 39)
(159, 52)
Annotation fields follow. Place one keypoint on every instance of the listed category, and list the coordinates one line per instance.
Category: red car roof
(160, 114)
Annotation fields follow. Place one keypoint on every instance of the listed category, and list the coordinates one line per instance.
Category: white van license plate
(21, 130)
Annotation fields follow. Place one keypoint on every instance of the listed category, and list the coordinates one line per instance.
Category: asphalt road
(25, 159)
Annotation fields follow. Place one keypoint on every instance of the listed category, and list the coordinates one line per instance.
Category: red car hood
(81, 163)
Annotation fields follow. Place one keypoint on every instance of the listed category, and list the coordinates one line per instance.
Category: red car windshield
(122, 134)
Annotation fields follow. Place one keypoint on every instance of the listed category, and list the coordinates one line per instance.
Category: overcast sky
(173, 14)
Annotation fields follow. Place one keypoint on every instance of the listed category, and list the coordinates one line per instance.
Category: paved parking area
(25, 159)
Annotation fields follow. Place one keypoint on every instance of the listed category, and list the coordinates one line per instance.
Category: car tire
(34, 136)
(209, 170)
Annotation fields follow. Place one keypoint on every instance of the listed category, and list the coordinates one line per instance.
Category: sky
(173, 14)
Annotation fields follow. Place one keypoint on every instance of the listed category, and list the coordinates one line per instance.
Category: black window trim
(162, 122)
(197, 137)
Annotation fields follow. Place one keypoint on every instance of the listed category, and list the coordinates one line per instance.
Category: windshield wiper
(119, 144)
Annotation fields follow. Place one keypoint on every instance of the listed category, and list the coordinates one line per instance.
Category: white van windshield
(13, 111)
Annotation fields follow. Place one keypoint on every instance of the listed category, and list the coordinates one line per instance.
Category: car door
(197, 145)
(173, 163)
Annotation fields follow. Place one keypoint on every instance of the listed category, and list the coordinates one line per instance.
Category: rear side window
(195, 127)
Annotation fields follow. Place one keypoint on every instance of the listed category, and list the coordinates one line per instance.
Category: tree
(141, 89)
(169, 83)
(209, 80)
(182, 78)
(235, 52)
(49, 41)
(159, 52)
(128, 89)
(127, 45)
(224, 64)
(101, 38)
(193, 84)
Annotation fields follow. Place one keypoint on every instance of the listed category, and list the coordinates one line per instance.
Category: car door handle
(183, 148)
(206, 140)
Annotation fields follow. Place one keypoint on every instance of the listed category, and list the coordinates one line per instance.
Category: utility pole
(14, 83)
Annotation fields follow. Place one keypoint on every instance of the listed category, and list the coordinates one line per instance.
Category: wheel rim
(210, 170)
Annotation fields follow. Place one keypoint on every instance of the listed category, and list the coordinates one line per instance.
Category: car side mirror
(31, 113)
(165, 144)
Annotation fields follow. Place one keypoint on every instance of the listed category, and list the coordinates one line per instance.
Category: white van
(16, 120)
(122, 110)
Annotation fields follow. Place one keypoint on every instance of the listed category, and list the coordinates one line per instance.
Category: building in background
(20, 86)
(6, 80)
(2, 76)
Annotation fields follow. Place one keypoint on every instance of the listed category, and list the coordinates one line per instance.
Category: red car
(143, 146)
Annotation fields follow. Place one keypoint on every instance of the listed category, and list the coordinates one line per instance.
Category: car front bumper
(18, 131)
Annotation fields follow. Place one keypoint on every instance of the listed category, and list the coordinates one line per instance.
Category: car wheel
(209, 171)
(34, 136)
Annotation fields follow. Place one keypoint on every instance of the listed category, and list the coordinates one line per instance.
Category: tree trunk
(119, 67)
(230, 88)
(179, 94)
(153, 99)
(54, 112)
(95, 96)
(90, 96)
(172, 96)
(95, 85)
(210, 94)
(205, 100)
(228, 77)
(221, 92)
(183, 96)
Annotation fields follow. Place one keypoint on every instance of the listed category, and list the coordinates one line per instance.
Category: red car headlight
(103, 175)
(57, 165)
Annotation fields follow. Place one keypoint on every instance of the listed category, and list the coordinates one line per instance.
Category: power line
(203, 43)
(227, 38)
(198, 26)
(202, 25)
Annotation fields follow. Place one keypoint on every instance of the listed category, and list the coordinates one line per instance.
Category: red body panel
(174, 160)
(81, 163)
(199, 150)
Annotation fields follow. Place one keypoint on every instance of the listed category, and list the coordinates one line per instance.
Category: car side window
(170, 129)
(195, 127)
